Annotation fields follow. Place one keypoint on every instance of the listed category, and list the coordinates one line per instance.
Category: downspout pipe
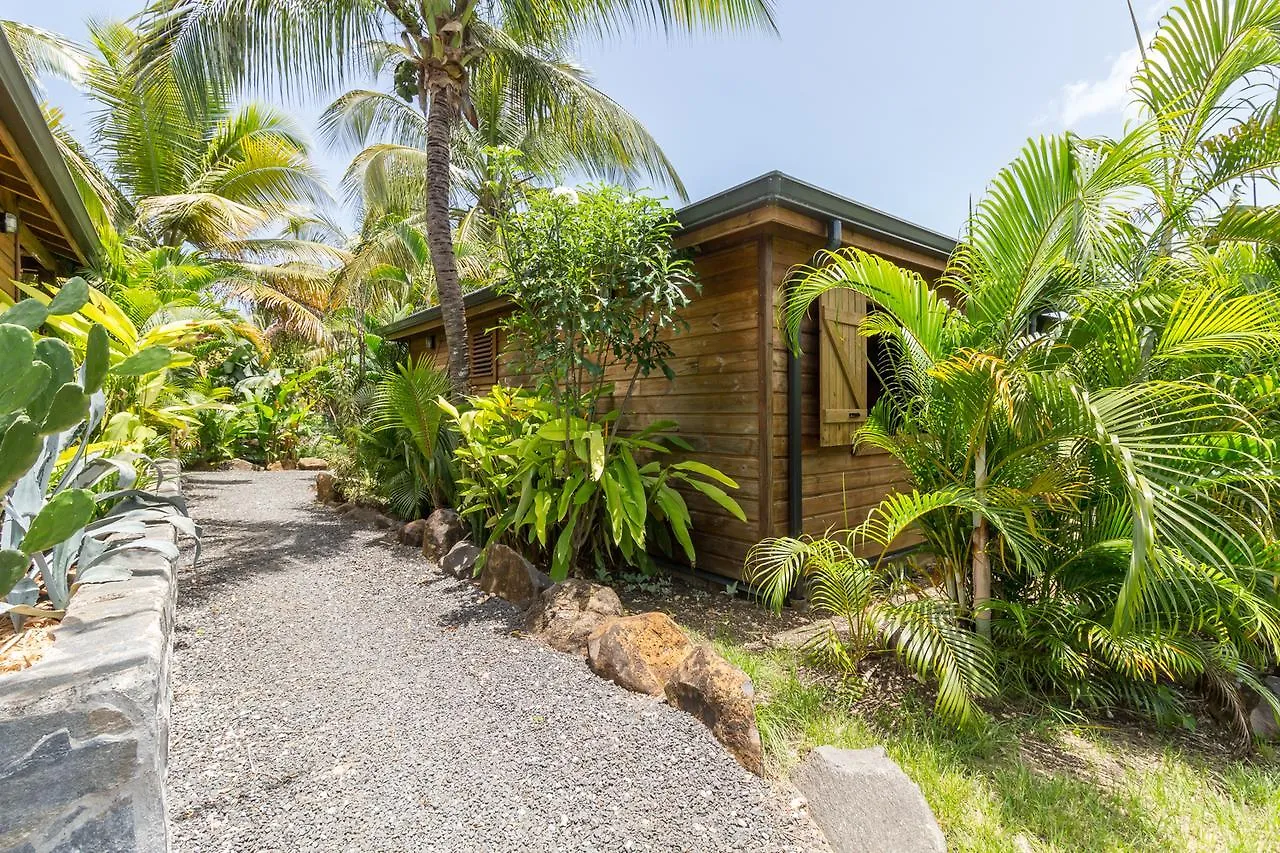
(795, 401)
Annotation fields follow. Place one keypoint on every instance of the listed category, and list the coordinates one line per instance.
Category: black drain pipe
(795, 454)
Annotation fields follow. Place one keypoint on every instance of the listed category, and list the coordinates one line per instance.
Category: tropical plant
(446, 54)
(51, 412)
(597, 288)
(1090, 472)
(408, 447)
(576, 490)
(278, 404)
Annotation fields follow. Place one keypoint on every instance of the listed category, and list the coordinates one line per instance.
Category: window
(842, 366)
(484, 350)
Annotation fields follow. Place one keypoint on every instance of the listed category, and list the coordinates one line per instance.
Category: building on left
(45, 230)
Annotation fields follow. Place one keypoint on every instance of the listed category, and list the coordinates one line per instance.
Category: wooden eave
(54, 218)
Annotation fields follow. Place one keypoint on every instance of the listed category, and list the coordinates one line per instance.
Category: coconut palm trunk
(442, 109)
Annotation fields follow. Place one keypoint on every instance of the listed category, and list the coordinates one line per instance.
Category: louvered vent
(484, 348)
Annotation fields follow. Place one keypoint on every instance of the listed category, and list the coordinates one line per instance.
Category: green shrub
(65, 504)
(576, 490)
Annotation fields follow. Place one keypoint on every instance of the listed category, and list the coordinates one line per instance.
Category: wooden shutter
(842, 366)
(484, 348)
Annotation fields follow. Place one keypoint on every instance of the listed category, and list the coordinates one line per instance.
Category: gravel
(326, 700)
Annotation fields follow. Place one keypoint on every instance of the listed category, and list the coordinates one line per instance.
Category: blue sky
(910, 106)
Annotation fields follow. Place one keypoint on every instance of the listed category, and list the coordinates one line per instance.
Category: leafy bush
(597, 287)
(407, 448)
(55, 483)
(574, 489)
(1092, 440)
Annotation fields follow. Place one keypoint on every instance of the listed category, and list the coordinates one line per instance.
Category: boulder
(369, 515)
(638, 652)
(723, 698)
(862, 801)
(312, 463)
(275, 466)
(239, 465)
(508, 575)
(444, 529)
(327, 488)
(411, 533)
(567, 613)
(461, 561)
(1263, 720)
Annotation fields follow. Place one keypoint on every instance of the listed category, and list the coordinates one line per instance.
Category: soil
(19, 650)
(714, 614)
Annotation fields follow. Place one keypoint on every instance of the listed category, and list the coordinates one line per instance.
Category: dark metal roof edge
(22, 114)
(782, 189)
(426, 315)
(771, 188)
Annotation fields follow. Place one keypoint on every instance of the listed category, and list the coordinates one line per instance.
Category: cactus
(53, 411)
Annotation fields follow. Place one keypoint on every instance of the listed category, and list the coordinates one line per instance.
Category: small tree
(598, 286)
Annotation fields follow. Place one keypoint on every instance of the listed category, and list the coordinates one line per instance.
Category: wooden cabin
(45, 231)
(780, 426)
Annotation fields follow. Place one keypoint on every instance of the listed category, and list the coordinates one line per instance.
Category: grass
(1028, 781)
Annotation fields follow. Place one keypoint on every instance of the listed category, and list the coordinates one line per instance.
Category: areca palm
(1089, 471)
(445, 45)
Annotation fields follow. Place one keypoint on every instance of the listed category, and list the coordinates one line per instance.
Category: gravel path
(324, 700)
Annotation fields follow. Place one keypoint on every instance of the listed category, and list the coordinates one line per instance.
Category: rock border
(84, 732)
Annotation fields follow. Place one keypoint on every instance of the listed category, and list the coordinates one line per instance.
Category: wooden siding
(839, 487)
(729, 395)
(715, 399)
(10, 256)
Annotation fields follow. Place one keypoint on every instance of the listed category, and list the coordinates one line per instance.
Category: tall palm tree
(443, 45)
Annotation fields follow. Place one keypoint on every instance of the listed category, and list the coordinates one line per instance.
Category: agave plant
(50, 414)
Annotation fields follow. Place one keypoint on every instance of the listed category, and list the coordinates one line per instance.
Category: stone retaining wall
(84, 733)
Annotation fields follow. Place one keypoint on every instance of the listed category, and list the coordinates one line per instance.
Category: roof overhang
(785, 193)
(34, 169)
(774, 198)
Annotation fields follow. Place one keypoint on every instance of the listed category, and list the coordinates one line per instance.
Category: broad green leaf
(706, 471)
(677, 514)
(13, 565)
(717, 495)
(146, 361)
(28, 313)
(70, 298)
(61, 517)
(97, 359)
(563, 551)
(595, 440)
(18, 452)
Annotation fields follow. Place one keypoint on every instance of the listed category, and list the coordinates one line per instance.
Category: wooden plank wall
(839, 487)
(714, 398)
(9, 253)
(440, 355)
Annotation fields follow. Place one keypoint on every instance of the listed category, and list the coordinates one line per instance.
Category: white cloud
(1086, 98)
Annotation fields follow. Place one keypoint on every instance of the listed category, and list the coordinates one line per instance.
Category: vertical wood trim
(765, 366)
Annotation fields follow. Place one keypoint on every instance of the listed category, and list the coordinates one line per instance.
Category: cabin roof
(775, 189)
(32, 168)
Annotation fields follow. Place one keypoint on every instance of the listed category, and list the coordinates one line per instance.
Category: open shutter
(842, 365)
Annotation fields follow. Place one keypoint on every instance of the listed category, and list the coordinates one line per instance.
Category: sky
(909, 106)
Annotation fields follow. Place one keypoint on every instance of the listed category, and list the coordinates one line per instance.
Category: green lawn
(1029, 782)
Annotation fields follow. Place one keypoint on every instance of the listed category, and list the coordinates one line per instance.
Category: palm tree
(1090, 470)
(443, 46)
